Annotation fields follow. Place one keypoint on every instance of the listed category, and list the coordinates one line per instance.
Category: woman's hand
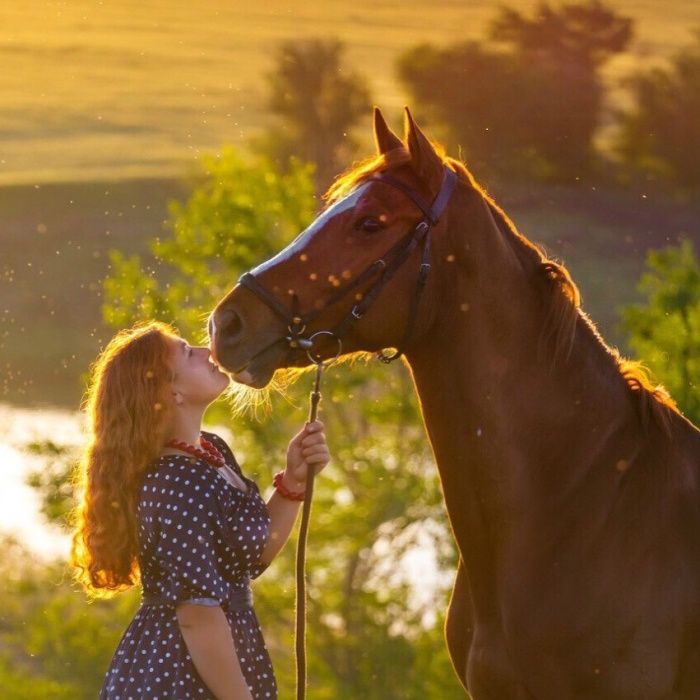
(306, 449)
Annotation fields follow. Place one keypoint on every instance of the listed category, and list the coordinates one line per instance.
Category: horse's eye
(370, 224)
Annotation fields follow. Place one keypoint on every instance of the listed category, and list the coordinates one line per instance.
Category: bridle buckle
(301, 343)
(422, 227)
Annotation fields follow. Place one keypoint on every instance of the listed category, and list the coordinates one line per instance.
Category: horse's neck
(499, 416)
(493, 410)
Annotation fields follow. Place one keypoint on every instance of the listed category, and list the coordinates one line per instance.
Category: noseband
(384, 269)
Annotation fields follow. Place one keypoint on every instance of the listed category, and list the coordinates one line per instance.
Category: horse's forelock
(360, 171)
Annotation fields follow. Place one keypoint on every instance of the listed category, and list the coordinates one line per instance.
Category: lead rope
(300, 633)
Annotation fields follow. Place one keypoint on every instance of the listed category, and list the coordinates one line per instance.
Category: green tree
(665, 329)
(53, 479)
(531, 104)
(583, 33)
(661, 134)
(53, 644)
(466, 87)
(317, 101)
(379, 497)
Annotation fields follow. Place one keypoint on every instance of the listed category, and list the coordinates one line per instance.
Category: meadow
(112, 90)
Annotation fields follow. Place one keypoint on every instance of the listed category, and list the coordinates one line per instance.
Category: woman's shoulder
(170, 469)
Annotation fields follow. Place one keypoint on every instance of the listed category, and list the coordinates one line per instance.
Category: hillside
(124, 89)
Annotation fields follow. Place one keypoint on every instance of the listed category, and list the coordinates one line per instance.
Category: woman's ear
(177, 397)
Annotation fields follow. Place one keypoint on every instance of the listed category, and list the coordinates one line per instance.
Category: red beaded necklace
(208, 451)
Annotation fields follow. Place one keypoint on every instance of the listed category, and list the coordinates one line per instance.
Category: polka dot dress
(200, 537)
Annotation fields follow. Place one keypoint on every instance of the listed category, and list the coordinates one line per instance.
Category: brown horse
(571, 482)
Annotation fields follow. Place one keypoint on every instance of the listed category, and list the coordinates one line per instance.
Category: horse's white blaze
(305, 237)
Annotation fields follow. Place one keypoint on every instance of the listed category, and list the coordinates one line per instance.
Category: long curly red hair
(128, 410)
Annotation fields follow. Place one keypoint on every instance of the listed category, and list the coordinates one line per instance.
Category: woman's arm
(283, 515)
(307, 448)
(207, 634)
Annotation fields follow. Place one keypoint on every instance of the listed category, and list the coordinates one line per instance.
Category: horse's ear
(384, 137)
(424, 158)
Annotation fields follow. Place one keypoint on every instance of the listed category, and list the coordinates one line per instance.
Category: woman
(166, 505)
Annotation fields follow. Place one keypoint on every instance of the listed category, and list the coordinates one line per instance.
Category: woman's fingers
(315, 439)
(318, 462)
(316, 456)
(314, 450)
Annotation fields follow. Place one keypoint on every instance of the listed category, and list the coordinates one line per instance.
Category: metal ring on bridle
(316, 360)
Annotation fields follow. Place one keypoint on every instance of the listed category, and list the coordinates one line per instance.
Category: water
(20, 512)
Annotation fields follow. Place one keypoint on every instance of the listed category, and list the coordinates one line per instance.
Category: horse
(571, 481)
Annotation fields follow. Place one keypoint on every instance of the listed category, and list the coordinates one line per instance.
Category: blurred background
(152, 151)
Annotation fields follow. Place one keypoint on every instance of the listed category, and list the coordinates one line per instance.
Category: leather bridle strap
(385, 267)
(420, 232)
(248, 280)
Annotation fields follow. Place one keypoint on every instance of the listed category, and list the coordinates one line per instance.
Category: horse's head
(360, 270)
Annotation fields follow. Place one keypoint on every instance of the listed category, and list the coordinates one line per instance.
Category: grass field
(95, 90)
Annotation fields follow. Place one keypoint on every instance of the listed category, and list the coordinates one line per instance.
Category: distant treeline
(526, 102)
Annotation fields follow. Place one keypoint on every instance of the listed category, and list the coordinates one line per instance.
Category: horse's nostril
(229, 325)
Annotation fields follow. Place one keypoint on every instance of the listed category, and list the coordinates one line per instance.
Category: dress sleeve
(190, 536)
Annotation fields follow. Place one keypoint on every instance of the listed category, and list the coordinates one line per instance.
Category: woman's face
(196, 380)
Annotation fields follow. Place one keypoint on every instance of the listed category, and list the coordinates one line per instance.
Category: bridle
(383, 269)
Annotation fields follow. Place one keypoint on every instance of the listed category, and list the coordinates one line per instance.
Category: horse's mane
(561, 295)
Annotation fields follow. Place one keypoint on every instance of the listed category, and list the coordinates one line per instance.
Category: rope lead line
(301, 550)
(315, 397)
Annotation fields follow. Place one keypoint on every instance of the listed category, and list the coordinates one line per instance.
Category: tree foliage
(52, 643)
(237, 215)
(665, 329)
(317, 101)
(531, 105)
(661, 134)
(583, 33)
(52, 480)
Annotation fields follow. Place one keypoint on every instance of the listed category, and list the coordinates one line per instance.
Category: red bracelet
(284, 491)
